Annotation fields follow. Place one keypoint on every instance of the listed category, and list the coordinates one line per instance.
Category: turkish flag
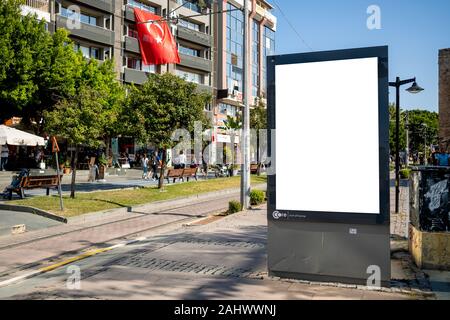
(155, 39)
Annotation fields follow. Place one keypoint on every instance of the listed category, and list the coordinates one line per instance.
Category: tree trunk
(108, 149)
(258, 161)
(74, 173)
(163, 167)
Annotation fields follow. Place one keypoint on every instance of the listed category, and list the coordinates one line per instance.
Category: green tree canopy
(162, 105)
(422, 125)
(37, 69)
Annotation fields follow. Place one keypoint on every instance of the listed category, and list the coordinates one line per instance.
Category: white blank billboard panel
(327, 137)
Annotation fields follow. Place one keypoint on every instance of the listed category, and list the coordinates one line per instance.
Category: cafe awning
(16, 137)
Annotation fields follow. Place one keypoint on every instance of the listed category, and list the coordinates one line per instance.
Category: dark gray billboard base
(329, 252)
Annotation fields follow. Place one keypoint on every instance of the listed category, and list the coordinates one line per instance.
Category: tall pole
(425, 151)
(245, 175)
(397, 147)
(407, 140)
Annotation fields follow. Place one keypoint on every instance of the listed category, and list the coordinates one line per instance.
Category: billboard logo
(278, 215)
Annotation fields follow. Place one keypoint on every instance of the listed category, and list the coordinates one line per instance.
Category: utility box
(429, 231)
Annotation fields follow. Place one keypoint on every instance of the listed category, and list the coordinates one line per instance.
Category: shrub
(405, 173)
(234, 207)
(257, 197)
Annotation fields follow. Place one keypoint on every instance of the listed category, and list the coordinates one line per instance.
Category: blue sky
(414, 30)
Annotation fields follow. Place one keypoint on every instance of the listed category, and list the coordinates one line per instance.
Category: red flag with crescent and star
(155, 39)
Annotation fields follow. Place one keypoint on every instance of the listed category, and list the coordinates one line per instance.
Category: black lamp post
(413, 89)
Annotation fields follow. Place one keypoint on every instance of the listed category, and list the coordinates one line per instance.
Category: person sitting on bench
(15, 183)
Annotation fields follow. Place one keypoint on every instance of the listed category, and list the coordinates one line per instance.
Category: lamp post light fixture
(414, 89)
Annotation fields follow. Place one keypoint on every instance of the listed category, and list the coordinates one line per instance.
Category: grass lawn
(105, 200)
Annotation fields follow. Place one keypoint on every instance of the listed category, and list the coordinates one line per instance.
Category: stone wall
(444, 97)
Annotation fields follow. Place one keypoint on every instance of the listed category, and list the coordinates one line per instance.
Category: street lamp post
(245, 174)
(413, 89)
(425, 158)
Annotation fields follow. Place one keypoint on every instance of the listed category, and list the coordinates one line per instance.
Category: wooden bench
(181, 174)
(34, 182)
(174, 174)
(254, 168)
(190, 173)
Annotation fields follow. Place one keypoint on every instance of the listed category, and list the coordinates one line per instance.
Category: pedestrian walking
(144, 163)
(155, 163)
(4, 157)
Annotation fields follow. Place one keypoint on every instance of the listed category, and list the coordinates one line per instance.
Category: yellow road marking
(77, 258)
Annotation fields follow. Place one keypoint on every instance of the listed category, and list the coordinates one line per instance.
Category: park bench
(190, 173)
(34, 182)
(254, 168)
(174, 174)
(181, 174)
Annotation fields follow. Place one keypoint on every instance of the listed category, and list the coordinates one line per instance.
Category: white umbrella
(16, 137)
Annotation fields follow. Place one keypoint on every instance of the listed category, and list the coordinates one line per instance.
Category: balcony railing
(42, 5)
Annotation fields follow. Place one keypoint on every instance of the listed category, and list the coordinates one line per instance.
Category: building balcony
(129, 13)
(204, 88)
(87, 31)
(131, 44)
(196, 63)
(105, 5)
(41, 8)
(134, 76)
(194, 36)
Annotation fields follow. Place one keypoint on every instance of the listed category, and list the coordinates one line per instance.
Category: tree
(91, 116)
(102, 78)
(80, 121)
(162, 105)
(37, 69)
(392, 125)
(258, 122)
(422, 125)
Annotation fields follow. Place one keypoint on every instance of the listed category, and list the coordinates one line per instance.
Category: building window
(189, 5)
(268, 50)
(190, 76)
(140, 5)
(189, 25)
(88, 52)
(227, 110)
(136, 64)
(132, 31)
(235, 47)
(255, 58)
(83, 18)
(189, 51)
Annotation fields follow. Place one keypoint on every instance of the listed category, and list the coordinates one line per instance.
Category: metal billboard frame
(383, 114)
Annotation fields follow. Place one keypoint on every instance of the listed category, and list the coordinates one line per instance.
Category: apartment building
(210, 46)
(229, 56)
(106, 29)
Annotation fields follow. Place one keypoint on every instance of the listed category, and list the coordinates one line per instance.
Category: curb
(39, 212)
